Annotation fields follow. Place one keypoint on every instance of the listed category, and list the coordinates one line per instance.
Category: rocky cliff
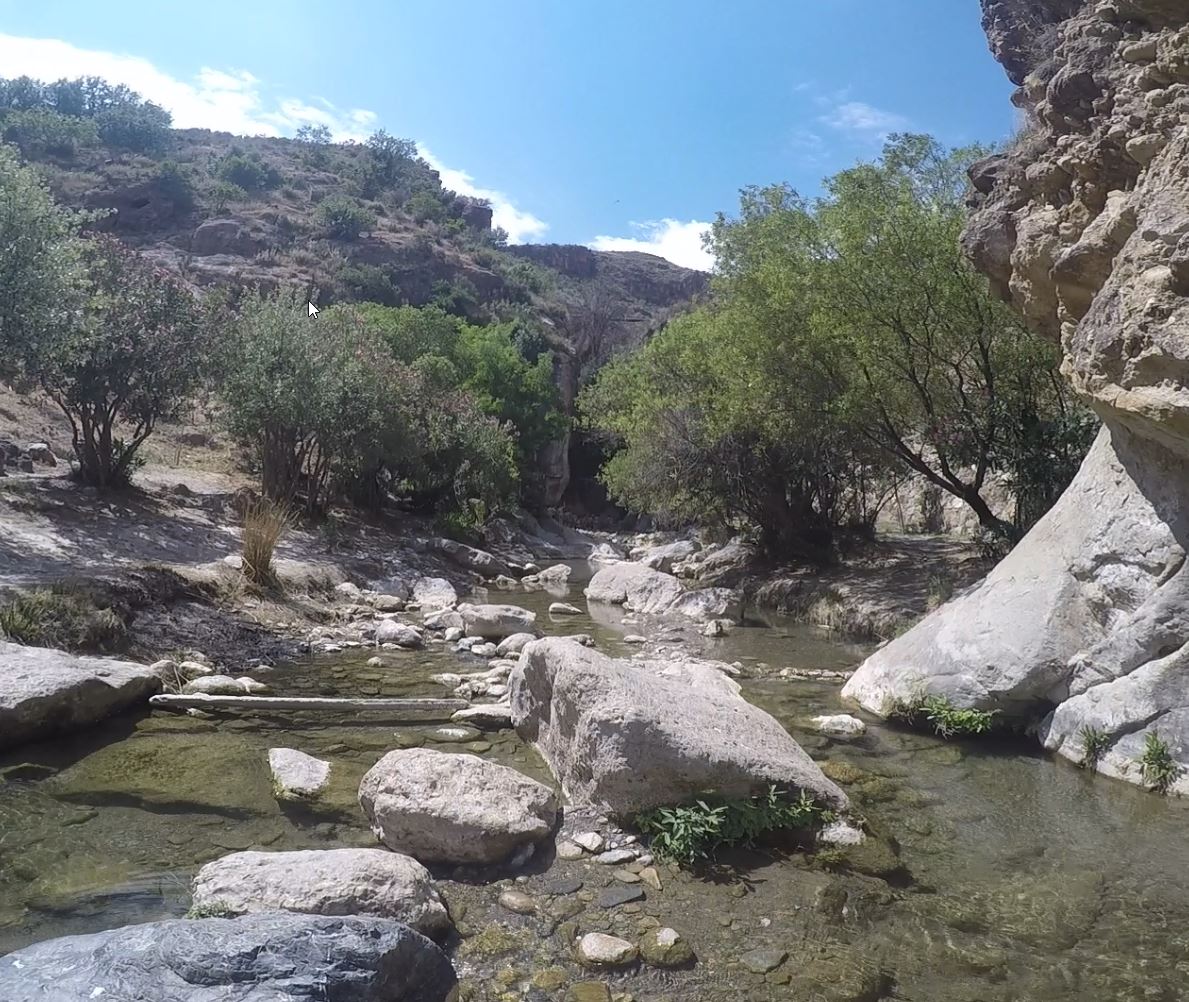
(1082, 632)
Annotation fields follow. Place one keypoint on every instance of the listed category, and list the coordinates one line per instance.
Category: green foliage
(142, 128)
(248, 171)
(368, 283)
(695, 832)
(62, 616)
(223, 193)
(40, 132)
(426, 207)
(344, 217)
(459, 296)
(1157, 766)
(40, 270)
(947, 720)
(175, 183)
(316, 135)
(1094, 745)
(127, 359)
(393, 165)
(215, 910)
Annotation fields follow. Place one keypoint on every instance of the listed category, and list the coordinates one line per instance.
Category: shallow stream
(1019, 877)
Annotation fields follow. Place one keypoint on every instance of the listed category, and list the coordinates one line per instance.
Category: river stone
(485, 716)
(619, 894)
(495, 622)
(590, 841)
(564, 609)
(763, 960)
(295, 774)
(254, 958)
(840, 725)
(215, 685)
(453, 735)
(46, 691)
(554, 574)
(389, 631)
(518, 902)
(614, 857)
(665, 947)
(568, 850)
(624, 740)
(663, 557)
(597, 949)
(454, 808)
(514, 644)
(472, 559)
(324, 882)
(635, 587)
(434, 593)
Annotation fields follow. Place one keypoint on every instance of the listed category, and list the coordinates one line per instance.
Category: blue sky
(618, 123)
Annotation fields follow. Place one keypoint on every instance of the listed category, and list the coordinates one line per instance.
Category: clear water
(1023, 878)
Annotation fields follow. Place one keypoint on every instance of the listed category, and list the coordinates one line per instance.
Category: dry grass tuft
(265, 522)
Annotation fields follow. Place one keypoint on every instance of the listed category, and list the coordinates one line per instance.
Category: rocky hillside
(1081, 631)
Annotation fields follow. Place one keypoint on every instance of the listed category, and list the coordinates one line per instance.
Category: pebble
(626, 877)
(620, 894)
(601, 950)
(375, 663)
(635, 638)
(614, 857)
(563, 886)
(454, 735)
(568, 850)
(518, 902)
(651, 877)
(764, 960)
(665, 948)
(590, 841)
(564, 609)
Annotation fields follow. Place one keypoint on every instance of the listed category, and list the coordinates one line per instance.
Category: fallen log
(421, 709)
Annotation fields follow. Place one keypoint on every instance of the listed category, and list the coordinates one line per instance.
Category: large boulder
(222, 236)
(324, 882)
(480, 561)
(255, 958)
(496, 622)
(1081, 225)
(45, 691)
(450, 808)
(636, 587)
(434, 593)
(624, 738)
(664, 556)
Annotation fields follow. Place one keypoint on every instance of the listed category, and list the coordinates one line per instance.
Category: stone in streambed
(597, 949)
(296, 775)
(665, 947)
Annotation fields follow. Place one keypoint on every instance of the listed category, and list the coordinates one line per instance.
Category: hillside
(361, 222)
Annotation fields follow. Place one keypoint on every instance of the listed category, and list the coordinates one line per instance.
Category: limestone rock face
(1084, 226)
(273, 955)
(324, 882)
(441, 807)
(625, 738)
(45, 691)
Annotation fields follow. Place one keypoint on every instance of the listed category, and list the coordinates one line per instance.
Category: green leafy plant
(694, 832)
(1094, 746)
(215, 910)
(248, 170)
(1157, 765)
(947, 720)
(344, 217)
(223, 193)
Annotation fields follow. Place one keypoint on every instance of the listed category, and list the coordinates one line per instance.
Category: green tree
(125, 361)
(39, 132)
(142, 128)
(248, 171)
(40, 270)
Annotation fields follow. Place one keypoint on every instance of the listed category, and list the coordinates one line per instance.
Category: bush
(248, 171)
(40, 132)
(1158, 768)
(344, 217)
(265, 523)
(1094, 745)
(130, 358)
(65, 617)
(173, 181)
(142, 128)
(223, 193)
(690, 834)
(426, 207)
(369, 283)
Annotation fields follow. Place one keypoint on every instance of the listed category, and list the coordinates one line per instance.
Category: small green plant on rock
(1157, 765)
(214, 910)
(947, 720)
(695, 832)
(1094, 746)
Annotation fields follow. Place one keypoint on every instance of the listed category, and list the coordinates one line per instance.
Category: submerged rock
(564, 609)
(296, 775)
(597, 949)
(324, 882)
(840, 725)
(272, 955)
(665, 947)
(455, 808)
(485, 716)
(624, 739)
(45, 691)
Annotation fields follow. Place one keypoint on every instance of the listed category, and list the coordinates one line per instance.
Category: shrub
(1094, 746)
(62, 616)
(248, 171)
(344, 217)
(1157, 766)
(142, 128)
(223, 193)
(695, 832)
(315, 135)
(129, 359)
(173, 181)
(426, 207)
(39, 132)
(265, 523)
(369, 283)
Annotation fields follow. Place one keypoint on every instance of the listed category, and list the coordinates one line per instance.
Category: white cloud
(522, 227)
(864, 119)
(671, 239)
(234, 101)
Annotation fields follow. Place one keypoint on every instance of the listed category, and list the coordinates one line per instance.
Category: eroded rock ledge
(1084, 226)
